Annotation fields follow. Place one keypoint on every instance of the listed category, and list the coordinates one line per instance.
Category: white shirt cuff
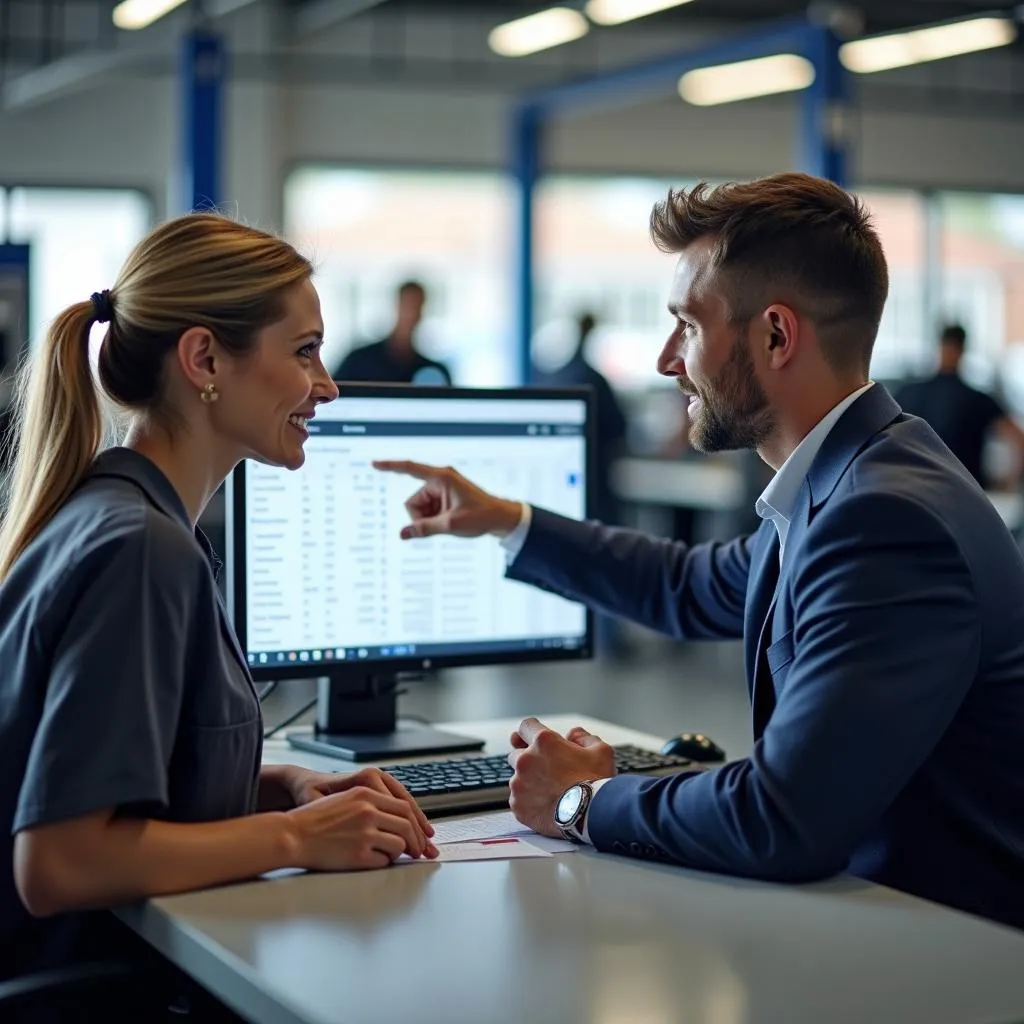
(596, 785)
(514, 541)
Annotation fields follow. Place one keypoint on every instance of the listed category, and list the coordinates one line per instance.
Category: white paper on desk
(485, 826)
(496, 826)
(485, 849)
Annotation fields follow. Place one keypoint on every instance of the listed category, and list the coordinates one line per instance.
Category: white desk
(584, 938)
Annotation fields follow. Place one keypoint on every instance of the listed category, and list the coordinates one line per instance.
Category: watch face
(569, 805)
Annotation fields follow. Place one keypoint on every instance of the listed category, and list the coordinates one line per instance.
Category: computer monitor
(321, 585)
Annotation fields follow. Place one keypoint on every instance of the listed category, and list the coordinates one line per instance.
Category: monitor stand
(357, 720)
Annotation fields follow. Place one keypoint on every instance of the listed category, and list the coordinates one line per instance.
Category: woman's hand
(360, 827)
(306, 786)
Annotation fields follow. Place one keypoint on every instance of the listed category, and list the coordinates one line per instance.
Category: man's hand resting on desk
(546, 765)
(449, 503)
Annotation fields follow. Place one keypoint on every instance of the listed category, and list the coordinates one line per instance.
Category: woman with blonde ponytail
(130, 731)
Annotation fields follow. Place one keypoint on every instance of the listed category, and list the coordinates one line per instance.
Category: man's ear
(780, 335)
(198, 357)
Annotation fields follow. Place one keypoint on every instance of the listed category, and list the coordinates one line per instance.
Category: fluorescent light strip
(901, 49)
(764, 76)
(615, 12)
(553, 27)
(136, 14)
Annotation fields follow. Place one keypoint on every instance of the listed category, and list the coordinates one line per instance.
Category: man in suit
(881, 601)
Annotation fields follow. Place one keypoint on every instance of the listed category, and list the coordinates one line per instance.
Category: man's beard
(733, 411)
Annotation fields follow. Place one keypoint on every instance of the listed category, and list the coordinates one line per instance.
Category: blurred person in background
(608, 415)
(963, 417)
(395, 359)
(610, 437)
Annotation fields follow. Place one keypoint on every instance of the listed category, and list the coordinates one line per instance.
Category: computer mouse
(695, 746)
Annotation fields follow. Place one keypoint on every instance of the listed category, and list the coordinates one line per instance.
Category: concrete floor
(666, 689)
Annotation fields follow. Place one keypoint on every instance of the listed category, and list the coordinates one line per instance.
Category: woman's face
(267, 399)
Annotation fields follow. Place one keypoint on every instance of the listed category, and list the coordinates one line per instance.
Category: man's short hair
(585, 323)
(790, 238)
(953, 334)
(410, 287)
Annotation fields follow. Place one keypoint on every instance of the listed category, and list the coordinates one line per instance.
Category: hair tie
(102, 309)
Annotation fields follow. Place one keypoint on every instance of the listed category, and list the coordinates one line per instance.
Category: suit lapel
(797, 528)
(761, 584)
(872, 412)
(763, 695)
(868, 415)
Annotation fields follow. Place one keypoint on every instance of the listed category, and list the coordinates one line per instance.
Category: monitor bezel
(235, 549)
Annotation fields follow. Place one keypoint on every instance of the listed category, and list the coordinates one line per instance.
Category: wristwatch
(571, 810)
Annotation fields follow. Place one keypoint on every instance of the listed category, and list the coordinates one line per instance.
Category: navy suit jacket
(885, 669)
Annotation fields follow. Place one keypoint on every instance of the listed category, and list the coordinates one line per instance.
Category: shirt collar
(130, 465)
(780, 496)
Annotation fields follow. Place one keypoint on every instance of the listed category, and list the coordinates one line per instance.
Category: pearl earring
(209, 394)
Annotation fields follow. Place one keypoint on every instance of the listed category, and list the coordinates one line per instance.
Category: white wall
(119, 133)
(983, 153)
(124, 130)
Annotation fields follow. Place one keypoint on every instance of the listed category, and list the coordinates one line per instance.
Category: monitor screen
(321, 577)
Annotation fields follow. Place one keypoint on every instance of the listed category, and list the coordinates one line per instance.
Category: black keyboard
(464, 783)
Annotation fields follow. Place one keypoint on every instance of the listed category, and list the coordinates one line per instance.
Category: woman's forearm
(99, 860)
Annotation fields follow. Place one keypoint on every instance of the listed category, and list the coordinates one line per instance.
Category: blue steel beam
(627, 86)
(825, 114)
(203, 61)
(823, 144)
(526, 129)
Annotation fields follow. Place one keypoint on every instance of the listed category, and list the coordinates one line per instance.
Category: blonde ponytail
(200, 269)
(57, 434)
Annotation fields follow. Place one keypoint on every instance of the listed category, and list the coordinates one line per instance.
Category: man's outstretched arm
(687, 592)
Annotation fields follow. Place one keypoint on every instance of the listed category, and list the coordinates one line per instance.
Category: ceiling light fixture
(763, 76)
(901, 49)
(541, 31)
(135, 14)
(615, 12)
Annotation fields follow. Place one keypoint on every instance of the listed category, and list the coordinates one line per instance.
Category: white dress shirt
(777, 501)
(513, 542)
